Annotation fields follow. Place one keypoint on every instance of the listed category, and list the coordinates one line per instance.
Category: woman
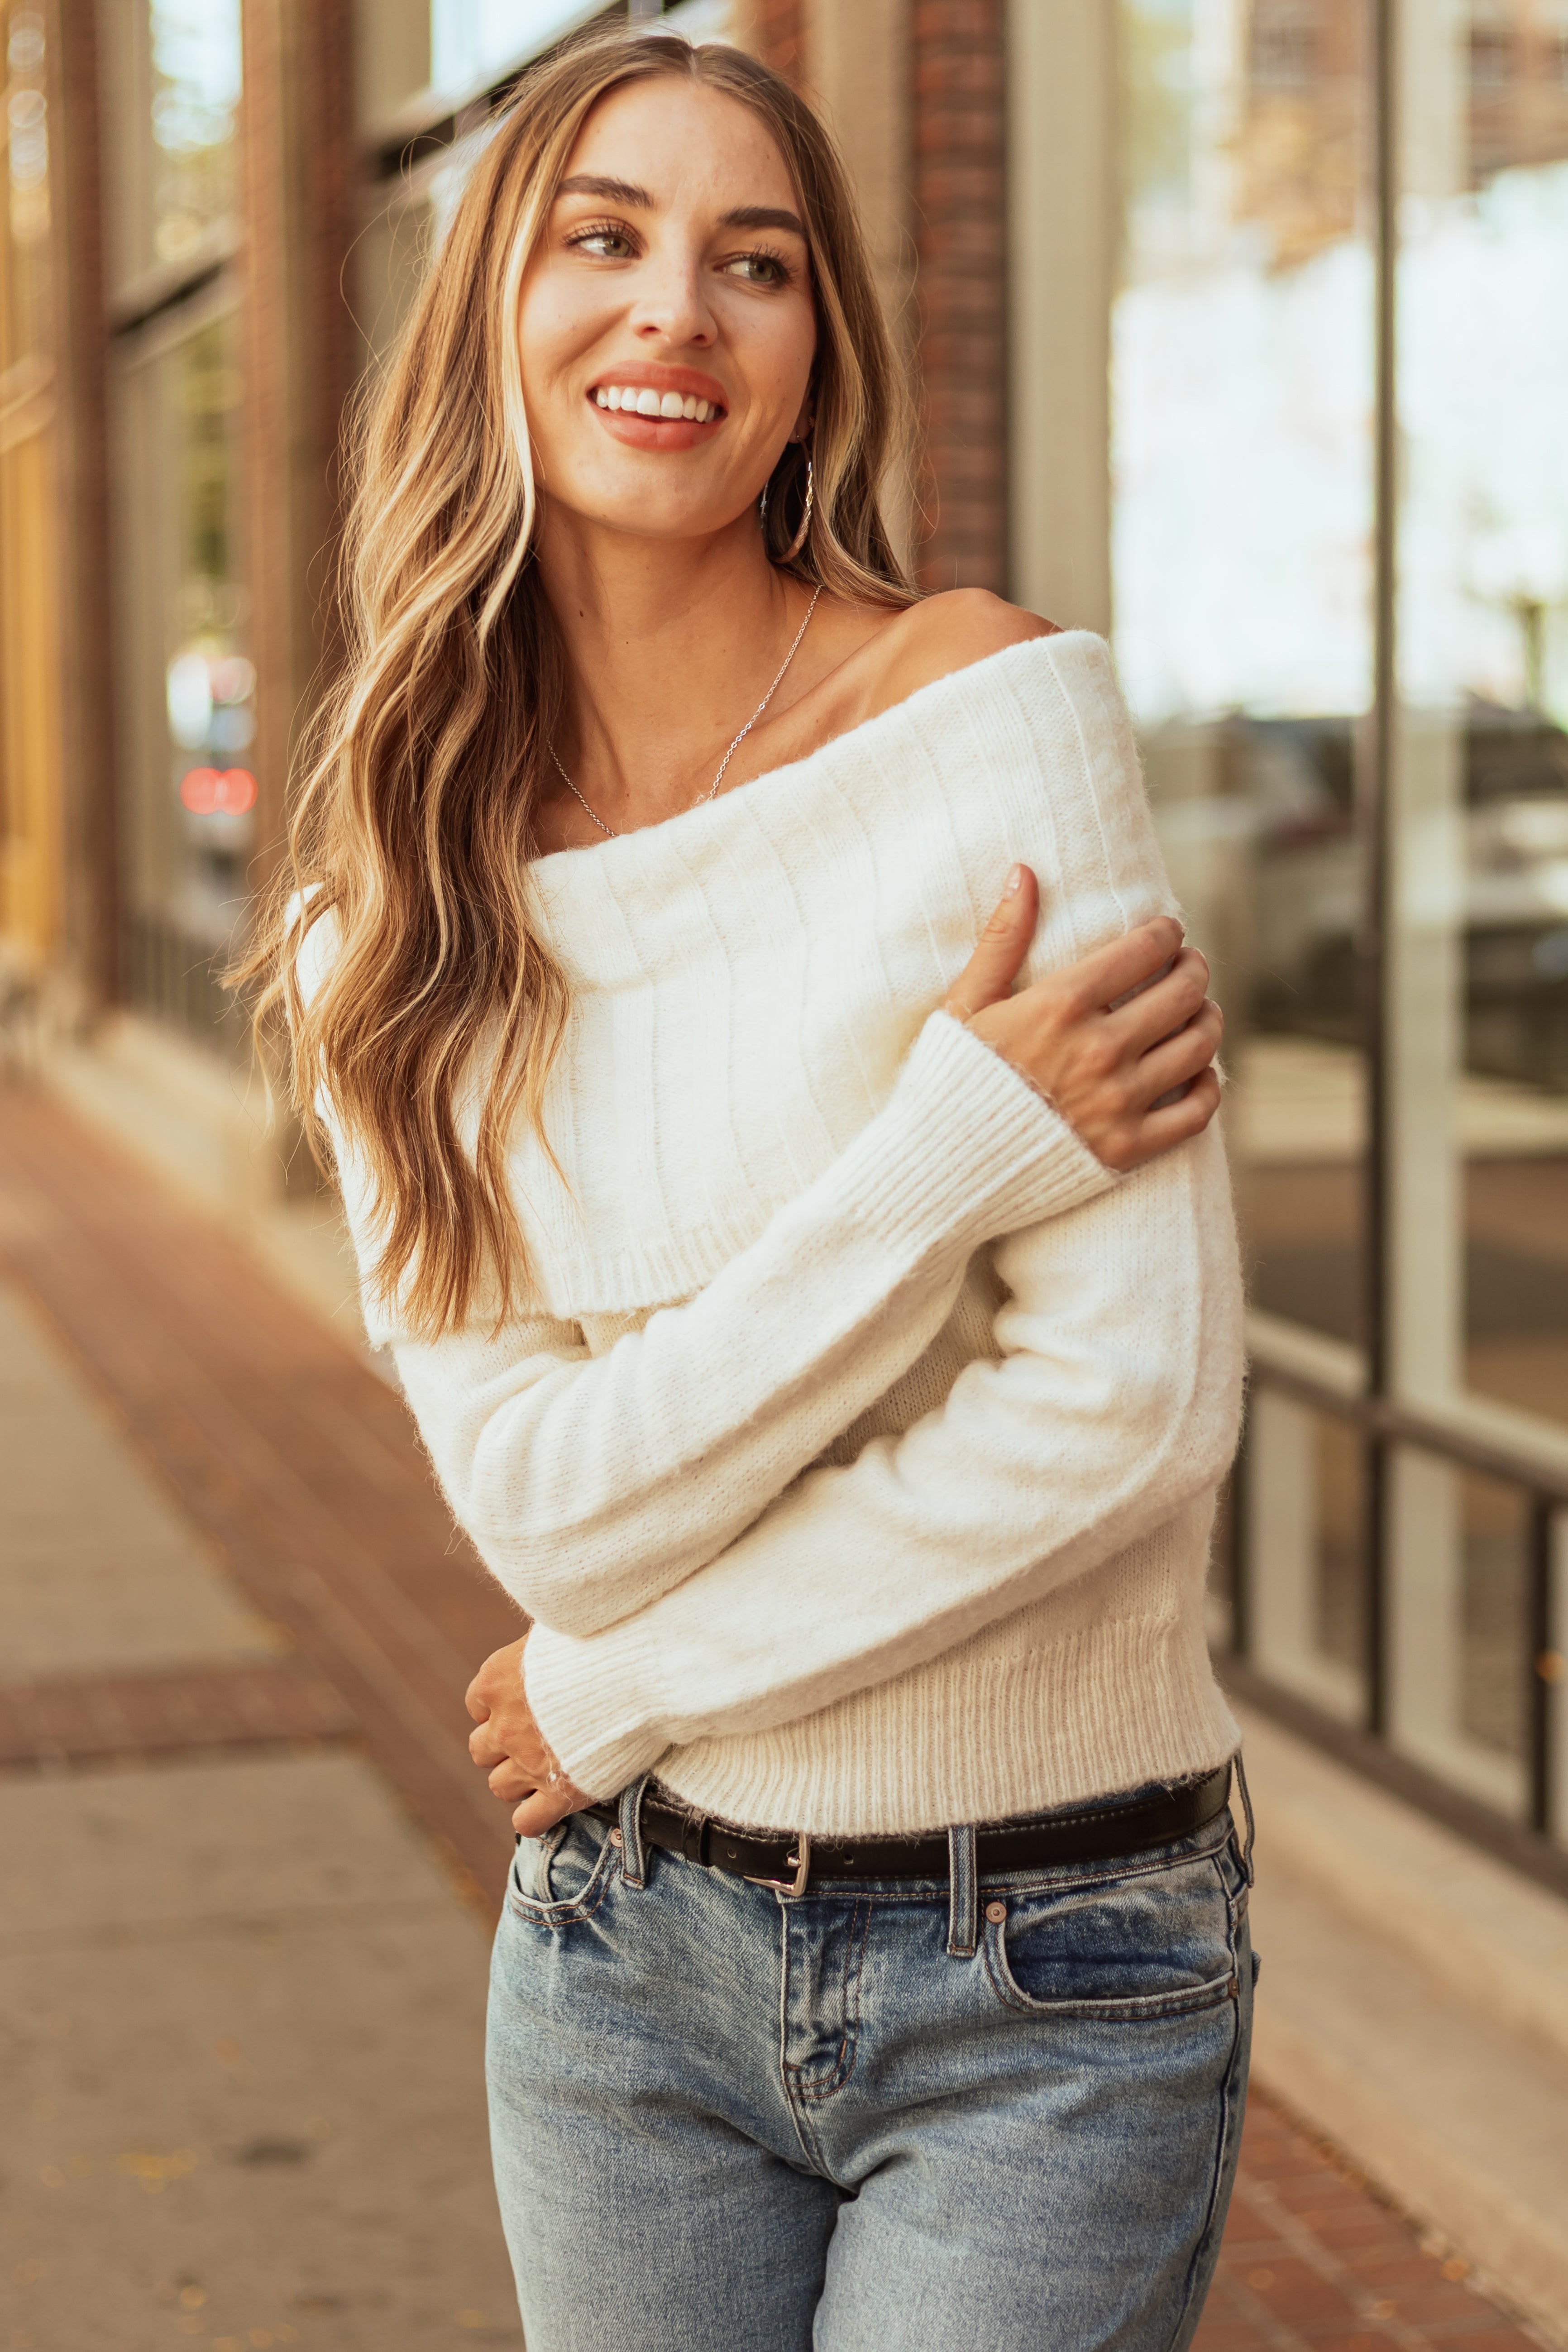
(833, 1347)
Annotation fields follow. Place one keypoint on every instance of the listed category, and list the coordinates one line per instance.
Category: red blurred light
(213, 791)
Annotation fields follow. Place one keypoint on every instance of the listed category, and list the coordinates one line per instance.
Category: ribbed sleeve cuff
(967, 1148)
(585, 1693)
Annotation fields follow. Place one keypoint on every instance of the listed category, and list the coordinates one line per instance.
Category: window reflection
(1243, 519)
(1479, 949)
(1458, 1618)
(26, 332)
(1307, 1510)
(30, 742)
(191, 683)
(171, 84)
(195, 91)
(472, 39)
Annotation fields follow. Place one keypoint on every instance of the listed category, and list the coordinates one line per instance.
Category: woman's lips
(636, 431)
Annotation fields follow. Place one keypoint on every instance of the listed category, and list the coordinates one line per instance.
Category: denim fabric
(881, 2116)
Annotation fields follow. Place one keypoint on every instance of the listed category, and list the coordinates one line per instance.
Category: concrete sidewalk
(249, 1872)
(243, 2002)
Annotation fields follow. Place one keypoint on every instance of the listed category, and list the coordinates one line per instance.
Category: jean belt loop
(633, 1869)
(1247, 1809)
(962, 1892)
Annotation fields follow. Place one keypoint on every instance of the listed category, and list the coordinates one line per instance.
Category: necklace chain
(713, 792)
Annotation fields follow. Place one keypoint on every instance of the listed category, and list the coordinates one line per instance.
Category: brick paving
(297, 1463)
(1315, 2260)
(89, 1719)
(302, 1466)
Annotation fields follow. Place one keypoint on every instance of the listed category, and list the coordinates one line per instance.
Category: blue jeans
(888, 2115)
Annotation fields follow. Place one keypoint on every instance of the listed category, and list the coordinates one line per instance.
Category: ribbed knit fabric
(857, 1457)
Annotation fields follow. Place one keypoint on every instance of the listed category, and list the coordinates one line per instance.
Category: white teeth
(648, 403)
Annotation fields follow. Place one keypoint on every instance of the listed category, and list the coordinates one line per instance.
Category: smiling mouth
(637, 400)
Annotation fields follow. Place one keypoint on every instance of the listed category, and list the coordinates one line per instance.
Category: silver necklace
(713, 792)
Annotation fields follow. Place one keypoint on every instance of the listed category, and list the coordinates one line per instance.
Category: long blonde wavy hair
(411, 827)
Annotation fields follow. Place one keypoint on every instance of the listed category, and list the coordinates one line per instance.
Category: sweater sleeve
(1116, 1400)
(591, 1487)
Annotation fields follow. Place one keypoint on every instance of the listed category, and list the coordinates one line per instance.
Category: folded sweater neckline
(621, 849)
(675, 880)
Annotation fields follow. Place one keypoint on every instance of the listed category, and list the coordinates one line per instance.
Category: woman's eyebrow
(614, 192)
(762, 216)
(626, 192)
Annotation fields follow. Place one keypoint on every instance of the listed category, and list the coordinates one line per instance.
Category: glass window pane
(472, 39)
(1305, 1489)
(188, 820)
(1242, 555)
(29, 735)
(171, 72)
(1458, 1626)
(24, 331)
(1479, 952)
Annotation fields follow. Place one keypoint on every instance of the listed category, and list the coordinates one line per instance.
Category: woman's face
(671, 275)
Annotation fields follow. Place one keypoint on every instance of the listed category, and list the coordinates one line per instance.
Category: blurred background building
(1240, 330)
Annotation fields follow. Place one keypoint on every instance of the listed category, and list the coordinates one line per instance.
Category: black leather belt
(776, 1858)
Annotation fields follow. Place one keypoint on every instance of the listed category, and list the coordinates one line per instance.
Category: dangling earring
(798, 542)
(762, 506)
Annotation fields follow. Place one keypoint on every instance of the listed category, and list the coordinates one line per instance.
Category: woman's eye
(758, 268)
(608, 244)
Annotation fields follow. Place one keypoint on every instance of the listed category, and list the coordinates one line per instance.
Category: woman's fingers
(1176, 1059)
(1124, 966)
(1178, 1122)
(545, 1807)
(1167, 1004)
(484, 1746)
(494, 1681)
(993, 967)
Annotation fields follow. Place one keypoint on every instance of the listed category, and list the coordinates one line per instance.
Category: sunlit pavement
(249, 1866)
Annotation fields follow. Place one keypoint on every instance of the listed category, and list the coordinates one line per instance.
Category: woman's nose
(671, 305)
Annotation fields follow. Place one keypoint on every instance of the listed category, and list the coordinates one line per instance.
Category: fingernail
(1015, 883)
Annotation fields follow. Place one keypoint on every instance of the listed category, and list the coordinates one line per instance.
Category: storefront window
(1330, 651)
(1242, 547)
(1479, 946)
(187, 685)
(27, 190)
(171, 75)
(1242, 544)
(472, 40)
(29, 721)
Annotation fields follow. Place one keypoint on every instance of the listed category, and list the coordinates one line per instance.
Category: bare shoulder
(947, 633)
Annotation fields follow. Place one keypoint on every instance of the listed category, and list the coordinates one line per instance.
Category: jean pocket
(564, 1875)
(1158, 1942)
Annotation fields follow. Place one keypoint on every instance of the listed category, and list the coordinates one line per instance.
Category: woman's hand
(1106, 1059)
(509, 1745)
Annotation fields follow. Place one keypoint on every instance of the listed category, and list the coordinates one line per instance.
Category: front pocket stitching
(1183, 2002)
(564, 1915)
(1191, 2000)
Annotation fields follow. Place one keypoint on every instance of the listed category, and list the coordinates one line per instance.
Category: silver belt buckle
(802, 1861)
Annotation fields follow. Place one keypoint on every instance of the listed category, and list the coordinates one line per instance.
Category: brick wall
(959, 218)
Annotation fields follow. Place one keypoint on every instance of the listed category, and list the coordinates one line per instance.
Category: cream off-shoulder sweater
(856, 1454)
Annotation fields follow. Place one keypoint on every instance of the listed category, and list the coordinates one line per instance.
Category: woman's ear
(807, 419)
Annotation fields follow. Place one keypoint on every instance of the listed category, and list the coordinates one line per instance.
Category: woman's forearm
(592, 1486)
(1115, 1405)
